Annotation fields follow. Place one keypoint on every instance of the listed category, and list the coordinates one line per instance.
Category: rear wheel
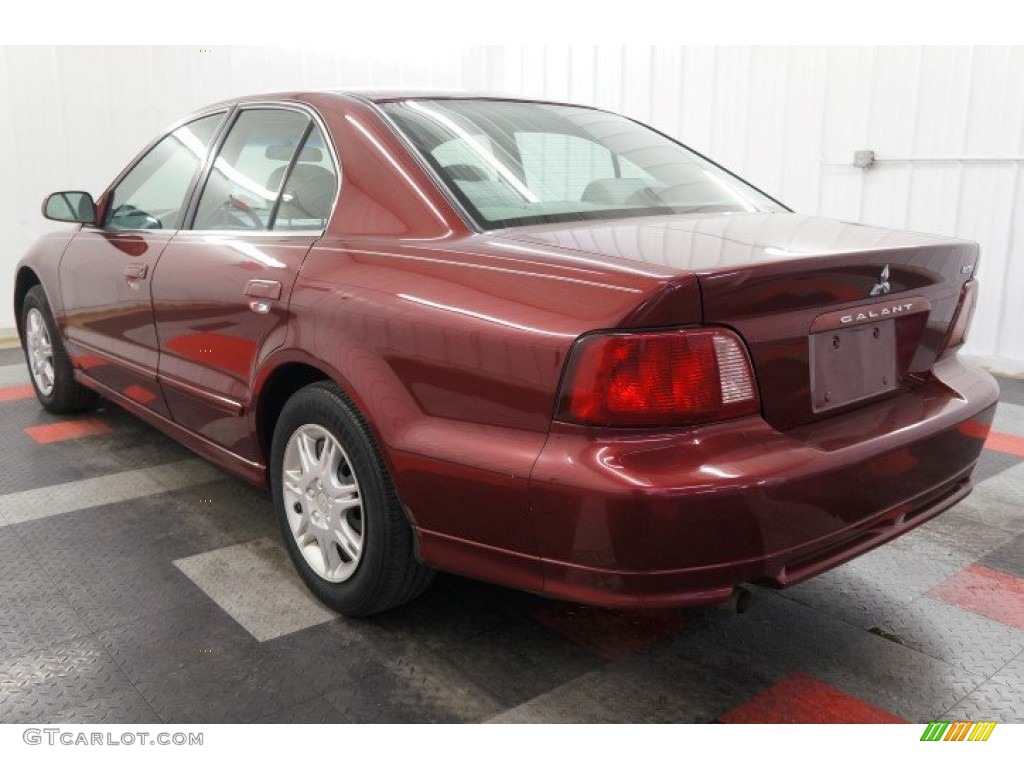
(340, 517)
(53, 376)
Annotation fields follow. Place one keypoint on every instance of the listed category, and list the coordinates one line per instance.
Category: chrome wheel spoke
(341, 506)
(307, 453)
(328, 456)
(350, 541)
(293, 484)
(342, 495)
(330, 555)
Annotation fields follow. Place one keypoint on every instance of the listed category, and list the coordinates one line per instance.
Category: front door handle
(136, 271)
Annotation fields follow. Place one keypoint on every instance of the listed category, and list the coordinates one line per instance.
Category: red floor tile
(66, 430)
(802, 699)
(987, 592)
(610, 634)
(1004, 443)
(16, 393)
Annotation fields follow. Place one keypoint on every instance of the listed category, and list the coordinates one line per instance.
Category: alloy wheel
(323, 503)
(40, 351)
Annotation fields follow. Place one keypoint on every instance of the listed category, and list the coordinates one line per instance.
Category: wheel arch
(281, 376)
(25, 281)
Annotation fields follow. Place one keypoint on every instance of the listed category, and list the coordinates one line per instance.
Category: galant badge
(882, 286)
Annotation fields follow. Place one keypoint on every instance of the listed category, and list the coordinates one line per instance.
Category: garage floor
(140, 584)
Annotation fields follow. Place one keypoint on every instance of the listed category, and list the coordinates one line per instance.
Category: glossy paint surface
(105, 279)
(452, 344)
(211, 340)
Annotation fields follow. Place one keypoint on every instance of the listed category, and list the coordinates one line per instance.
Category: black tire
(388, 573)
(67, 396)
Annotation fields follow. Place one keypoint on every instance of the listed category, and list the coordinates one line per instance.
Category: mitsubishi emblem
(882, 286)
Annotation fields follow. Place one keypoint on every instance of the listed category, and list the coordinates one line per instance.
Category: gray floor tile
(999, 698)
(256, 584)
(997, 502)
(960, 637)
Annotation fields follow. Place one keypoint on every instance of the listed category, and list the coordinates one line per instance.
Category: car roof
(400, 94)
(382, 95)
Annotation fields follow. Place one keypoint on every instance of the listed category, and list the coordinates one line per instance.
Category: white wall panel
(786, 118)
(789, 120)
(71, 118)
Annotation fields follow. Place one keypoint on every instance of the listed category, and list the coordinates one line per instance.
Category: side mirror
(74, 207)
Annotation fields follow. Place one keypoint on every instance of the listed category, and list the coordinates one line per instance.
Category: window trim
(237, 109)
(108, 194)
(299, 149)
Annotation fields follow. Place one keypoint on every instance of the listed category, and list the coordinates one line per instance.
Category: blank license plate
(852, 364)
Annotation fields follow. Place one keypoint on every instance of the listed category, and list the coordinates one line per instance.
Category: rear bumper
(681, 519)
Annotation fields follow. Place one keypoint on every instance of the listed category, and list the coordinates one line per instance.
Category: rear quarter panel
(450, 342)
(454, 352)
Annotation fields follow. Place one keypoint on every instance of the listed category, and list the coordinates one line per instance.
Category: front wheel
(339, 514)
(53, 376)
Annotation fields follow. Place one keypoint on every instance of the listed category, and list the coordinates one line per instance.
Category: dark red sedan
(533, 343)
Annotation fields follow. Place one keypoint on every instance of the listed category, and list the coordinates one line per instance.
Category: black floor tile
(197, 635)
(114, 563)
(451, 610)
(317, 711)
(1009, 557)
(518, 660)
(778, 637)
(54, 683)
(132, 444)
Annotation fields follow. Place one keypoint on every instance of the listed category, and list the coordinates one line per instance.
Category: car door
(106, 270)
(221, 289)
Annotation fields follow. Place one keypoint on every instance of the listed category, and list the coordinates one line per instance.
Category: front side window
(153, 193)
(514, 163)
(267, 152)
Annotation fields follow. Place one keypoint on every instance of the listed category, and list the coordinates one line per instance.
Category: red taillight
(659, 378)
(964, 314)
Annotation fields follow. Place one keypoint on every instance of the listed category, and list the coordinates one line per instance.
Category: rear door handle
(263, 289)
(136, 271)
(262, 292)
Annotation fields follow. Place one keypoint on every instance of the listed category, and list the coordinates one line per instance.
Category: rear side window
(153, 193)
(308, 194)
(273, 168)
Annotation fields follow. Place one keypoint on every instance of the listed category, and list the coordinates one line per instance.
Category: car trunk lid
(835, 315)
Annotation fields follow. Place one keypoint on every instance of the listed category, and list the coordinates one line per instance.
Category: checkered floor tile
(140, 584)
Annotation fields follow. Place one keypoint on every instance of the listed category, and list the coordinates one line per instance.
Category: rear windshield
(513, 163)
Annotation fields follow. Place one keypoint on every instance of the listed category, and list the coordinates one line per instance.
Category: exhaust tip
(738, 602)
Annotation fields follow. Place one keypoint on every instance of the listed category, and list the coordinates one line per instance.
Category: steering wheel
(127, 216)
(234, 207)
